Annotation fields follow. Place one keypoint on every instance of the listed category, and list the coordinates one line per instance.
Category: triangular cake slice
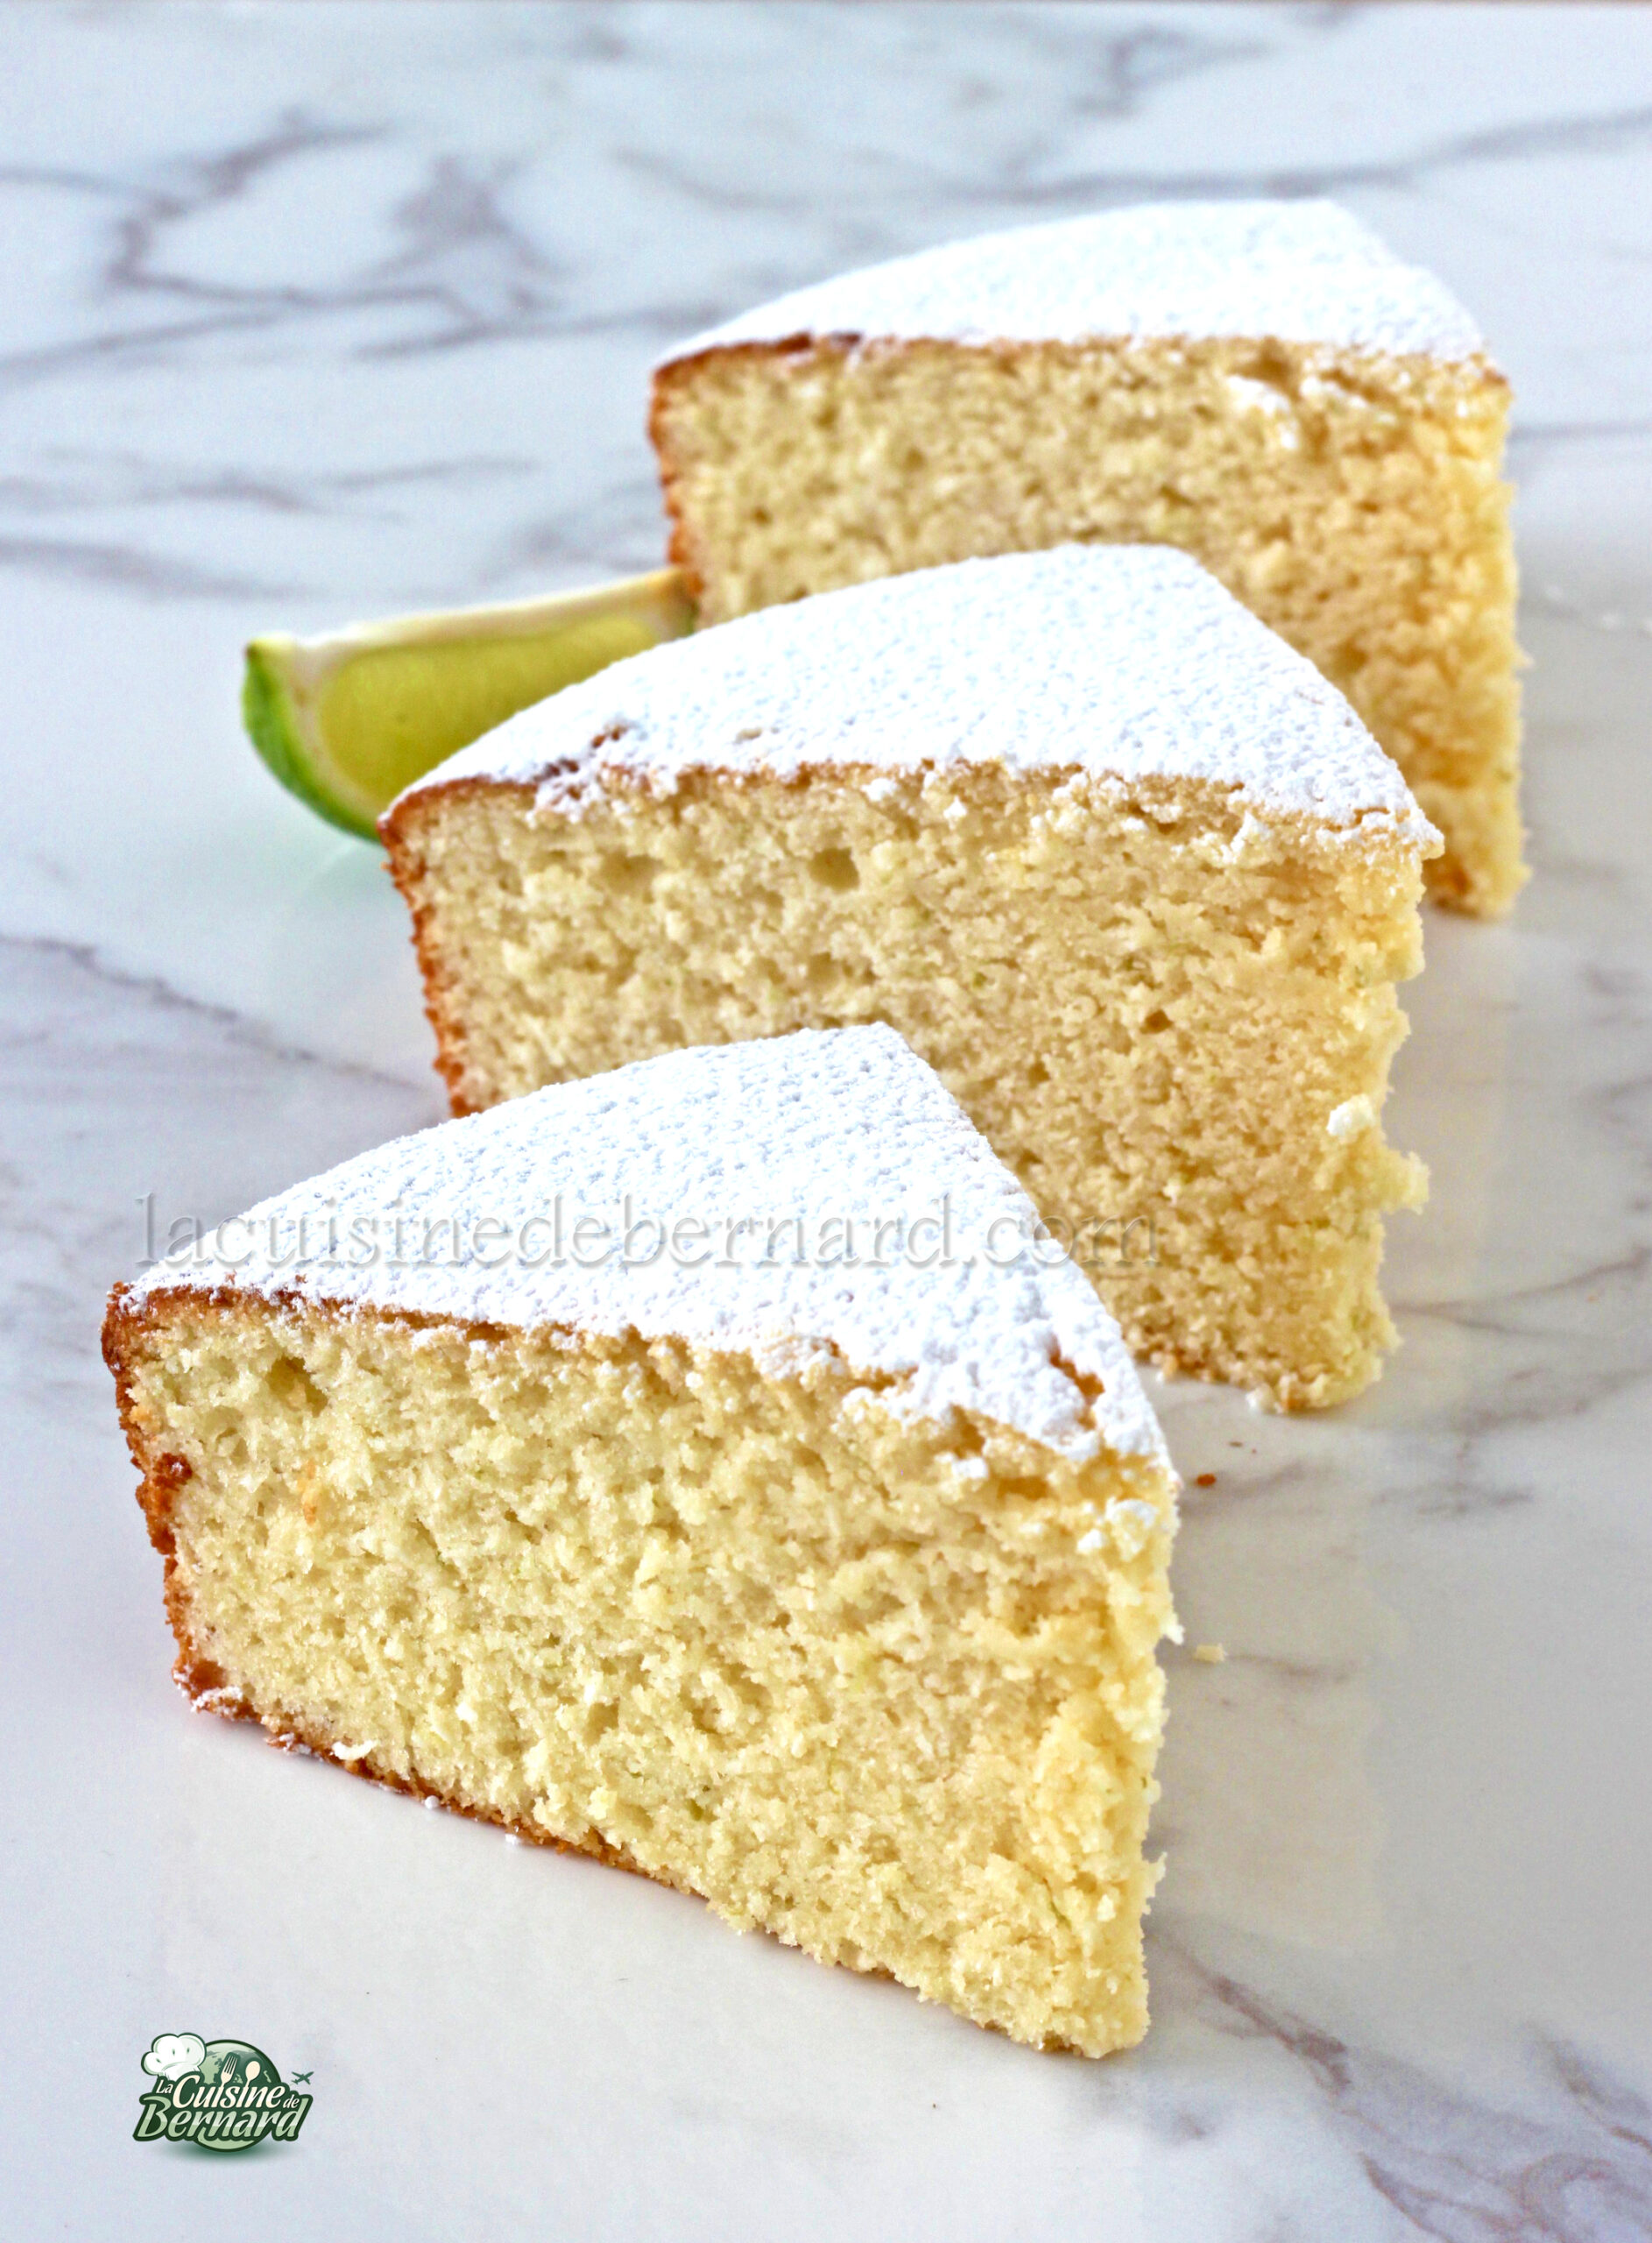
(1263, 384)
(1121, 865)
(711, 1466)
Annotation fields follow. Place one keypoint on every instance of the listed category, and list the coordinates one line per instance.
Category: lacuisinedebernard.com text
(563, 1233)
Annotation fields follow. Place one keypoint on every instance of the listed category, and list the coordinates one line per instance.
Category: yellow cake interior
(1353, 502)
(1173, 1019)
(884, 1689)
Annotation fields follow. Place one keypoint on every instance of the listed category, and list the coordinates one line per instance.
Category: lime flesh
(346, 722)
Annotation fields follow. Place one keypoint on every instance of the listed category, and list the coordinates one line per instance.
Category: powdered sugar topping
(1122, 662)
(960, 1298)
(1300, 271)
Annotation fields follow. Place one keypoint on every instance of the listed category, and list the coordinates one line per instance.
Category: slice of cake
(1264, 383)
(705, 1466)
(1117, 862)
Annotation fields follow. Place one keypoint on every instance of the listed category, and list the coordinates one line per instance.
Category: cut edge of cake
(296, 1340)
(1266, 384)
(1004, 706)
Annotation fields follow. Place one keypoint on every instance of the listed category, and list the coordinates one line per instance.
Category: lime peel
(346, 720)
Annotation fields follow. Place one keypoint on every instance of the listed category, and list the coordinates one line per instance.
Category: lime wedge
(346, 721)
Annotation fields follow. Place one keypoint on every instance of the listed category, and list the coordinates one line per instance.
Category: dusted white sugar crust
(839, 1122)
(1124, 661)
(1304, 271)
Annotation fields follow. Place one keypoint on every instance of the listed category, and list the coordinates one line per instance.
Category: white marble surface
(308, 313)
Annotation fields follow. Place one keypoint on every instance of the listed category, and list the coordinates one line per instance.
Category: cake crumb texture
(884, 1686)
(1314, 421)
(1149, 1000)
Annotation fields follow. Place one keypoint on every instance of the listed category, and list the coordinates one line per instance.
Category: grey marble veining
(308, 313)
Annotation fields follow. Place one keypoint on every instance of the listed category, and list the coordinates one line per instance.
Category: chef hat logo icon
(175, 2055)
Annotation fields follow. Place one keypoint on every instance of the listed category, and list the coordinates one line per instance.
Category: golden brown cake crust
(401, 829)
(680, 548)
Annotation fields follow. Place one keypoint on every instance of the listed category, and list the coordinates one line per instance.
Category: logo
(218, 2094)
